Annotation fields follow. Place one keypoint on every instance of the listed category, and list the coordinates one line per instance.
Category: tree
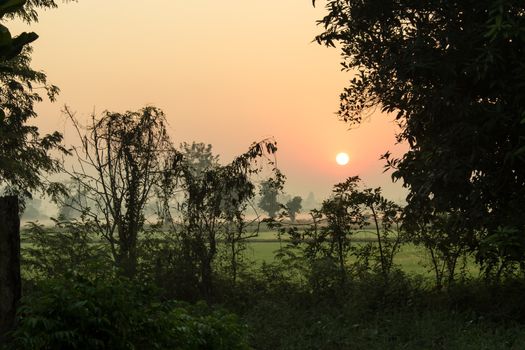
(326, 244)
(268, 201)
(27, 10)
(24, 154)
(33, 210)
(11, 47)
(294, 206)
(383, 216)
(10, 280)
(199, 157)
(75, 200)
(122, 157)
(310, 202)
(212, 209)
(452, 72)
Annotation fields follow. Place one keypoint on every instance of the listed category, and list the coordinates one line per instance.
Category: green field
(412, 259)
(263, 248)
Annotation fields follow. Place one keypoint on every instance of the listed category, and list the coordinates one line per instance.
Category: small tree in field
(268, 201)
(214, 204)
(343, 216)
(446, 244)
(198, 157)
(384, 216)
(122, 157)
(327, 242)
(294, 206)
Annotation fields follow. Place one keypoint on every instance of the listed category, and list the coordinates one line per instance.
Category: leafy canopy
(24, 153)
(453, 73)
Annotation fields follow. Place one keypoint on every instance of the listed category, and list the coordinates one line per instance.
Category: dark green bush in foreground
(87, 314)
(404, 314)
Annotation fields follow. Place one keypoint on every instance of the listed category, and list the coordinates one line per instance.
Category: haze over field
(226, 73)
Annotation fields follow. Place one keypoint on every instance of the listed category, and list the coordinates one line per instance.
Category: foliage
(68, 247)
(80, 313)
(198, 157)
(348, 210)
(294, 206)
(453, 72)
(324, 248)
(24, 153)
(405, 314)
(165, 263)
(502, 254)
(446, 244)
(123, 156)
(28, 12)
(325, 327)
(213, 201)
(11, 47)
(385, 218)
(237, 231)
(268, 202)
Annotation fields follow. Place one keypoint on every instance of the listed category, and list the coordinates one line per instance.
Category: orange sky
(225, 72)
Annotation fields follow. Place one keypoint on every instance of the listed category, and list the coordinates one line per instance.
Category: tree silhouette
(268, 201)
(24, 153)
(123, 156)
(294, 206)
(452, 72)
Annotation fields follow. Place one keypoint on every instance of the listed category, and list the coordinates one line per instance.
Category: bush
(114, 314)
(71, 246)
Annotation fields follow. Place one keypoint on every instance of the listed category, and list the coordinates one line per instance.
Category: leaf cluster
(82, 313)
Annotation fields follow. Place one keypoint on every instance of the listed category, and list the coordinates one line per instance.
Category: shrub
(115, 314)
(69, 247)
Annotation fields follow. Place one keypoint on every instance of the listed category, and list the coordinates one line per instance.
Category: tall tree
(10, 280)
(453, 73)
(24, 154)
(213, 206)
(123, 156)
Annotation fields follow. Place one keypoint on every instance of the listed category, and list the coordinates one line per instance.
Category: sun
(342, 158)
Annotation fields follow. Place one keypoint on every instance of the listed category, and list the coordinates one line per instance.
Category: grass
(325, 328)
(263, 248)
(411, 258)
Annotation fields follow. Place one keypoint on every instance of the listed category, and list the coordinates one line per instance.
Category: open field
(412, 259)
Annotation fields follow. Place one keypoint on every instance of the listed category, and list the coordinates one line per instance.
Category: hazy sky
(226, 72)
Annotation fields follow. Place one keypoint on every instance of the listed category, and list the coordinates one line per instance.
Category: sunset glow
(249, 70)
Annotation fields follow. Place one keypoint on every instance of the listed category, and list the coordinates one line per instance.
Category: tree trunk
(10, 282)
